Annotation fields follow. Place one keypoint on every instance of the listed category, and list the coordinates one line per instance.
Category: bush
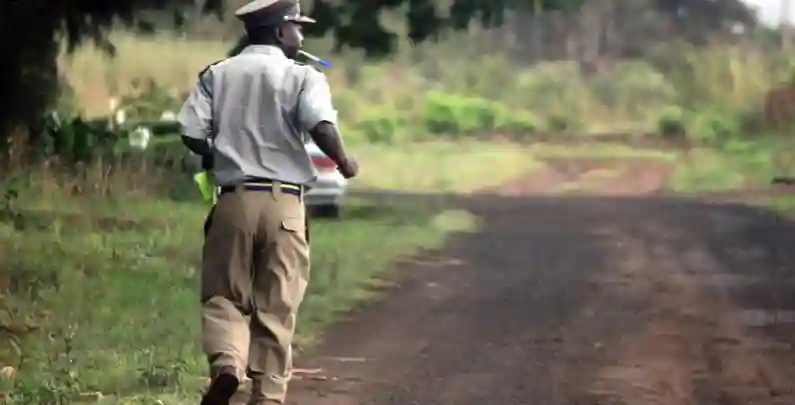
(150, 101)
(441, 114)
(634, 85)
(457, 115)
(478, 115)
(671, 122)
(712, 126)
(74, 139)
(561, 123)
(380, 127)
(519, 124)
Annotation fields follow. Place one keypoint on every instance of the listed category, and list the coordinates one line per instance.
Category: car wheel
(328, 211)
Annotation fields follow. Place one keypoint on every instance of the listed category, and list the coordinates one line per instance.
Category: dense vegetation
(29, 71)
(98, 238)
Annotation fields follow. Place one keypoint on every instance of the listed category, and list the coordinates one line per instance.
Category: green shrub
(753, 120)
(74, 139)
(519, 124)
(380, 127)
(478, 115)
(671, 122)
(441, 114)
(712, 126)
(561, 123)
(458, 115)
(149, 101)
(634, 85)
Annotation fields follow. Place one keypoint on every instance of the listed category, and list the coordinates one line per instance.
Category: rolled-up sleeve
(195, 117)
(314, 102)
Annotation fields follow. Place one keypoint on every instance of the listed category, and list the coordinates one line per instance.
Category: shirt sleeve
(314, 102)
(195, 117)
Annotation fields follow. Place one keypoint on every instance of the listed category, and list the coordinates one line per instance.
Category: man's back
(255, 98)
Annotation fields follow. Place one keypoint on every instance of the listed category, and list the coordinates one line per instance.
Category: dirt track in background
(584, 286)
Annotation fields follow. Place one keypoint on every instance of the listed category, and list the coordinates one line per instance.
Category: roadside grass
(171, 61)
(116, 283)
(733, 166)
(441, 166)
(466, 166)
(782, 204)
(99, 291)
(602, 151)
(100, 288)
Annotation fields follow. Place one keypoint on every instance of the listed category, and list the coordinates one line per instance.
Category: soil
(587, 284)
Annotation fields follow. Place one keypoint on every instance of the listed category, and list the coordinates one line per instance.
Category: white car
(325, 195)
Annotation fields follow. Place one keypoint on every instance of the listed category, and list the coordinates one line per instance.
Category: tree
(698, 18)
(32, 31)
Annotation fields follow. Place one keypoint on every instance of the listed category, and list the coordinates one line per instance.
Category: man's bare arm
(328, 139)
(318, 117)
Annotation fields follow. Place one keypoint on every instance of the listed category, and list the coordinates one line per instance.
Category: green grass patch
(601, 151)
(441, 166)
(729, 167)
(102, 293)
(465, 166)
(784, 205)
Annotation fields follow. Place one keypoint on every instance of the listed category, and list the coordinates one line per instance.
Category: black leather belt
(261, 184)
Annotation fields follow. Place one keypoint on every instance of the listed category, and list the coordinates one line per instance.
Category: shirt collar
(264, 50)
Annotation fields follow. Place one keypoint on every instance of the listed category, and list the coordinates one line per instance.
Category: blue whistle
(322, 62)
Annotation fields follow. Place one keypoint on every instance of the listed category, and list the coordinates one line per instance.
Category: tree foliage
(34, 30)
(354, 23)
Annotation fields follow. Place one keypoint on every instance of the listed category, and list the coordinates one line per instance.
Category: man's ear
(279, 33)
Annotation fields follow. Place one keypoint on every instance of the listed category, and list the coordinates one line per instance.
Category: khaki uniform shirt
(257, 108)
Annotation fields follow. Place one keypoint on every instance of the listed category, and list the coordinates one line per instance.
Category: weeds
(409, 98)
(98, 292)
(98, 288)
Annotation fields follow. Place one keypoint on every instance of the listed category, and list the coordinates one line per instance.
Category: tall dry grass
(173, 62)
(627, 96)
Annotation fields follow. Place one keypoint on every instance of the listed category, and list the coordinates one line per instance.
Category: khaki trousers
(255, 270)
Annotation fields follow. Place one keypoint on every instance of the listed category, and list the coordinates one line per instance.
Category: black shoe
(221, 390)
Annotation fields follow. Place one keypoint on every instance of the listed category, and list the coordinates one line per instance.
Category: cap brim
(303, 20)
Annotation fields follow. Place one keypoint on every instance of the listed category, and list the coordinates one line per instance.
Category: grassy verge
(732, 166)
(784, 205)
(601, 151)
(103, 293)
(467, 166)
(441, 166)
(100, 291)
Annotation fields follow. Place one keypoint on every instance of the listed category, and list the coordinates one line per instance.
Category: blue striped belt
(261, 184)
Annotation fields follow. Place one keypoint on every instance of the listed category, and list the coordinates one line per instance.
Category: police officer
(247, 118)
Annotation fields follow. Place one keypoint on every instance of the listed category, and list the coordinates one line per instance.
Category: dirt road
(579, 299)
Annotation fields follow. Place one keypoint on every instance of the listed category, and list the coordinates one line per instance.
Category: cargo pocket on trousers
(296, 226)
(296, 259)
(293, 224)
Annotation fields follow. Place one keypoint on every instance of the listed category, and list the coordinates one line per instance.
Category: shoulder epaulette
(201, 75)
(206, 68)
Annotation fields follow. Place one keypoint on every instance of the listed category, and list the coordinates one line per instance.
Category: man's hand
(349, 168)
